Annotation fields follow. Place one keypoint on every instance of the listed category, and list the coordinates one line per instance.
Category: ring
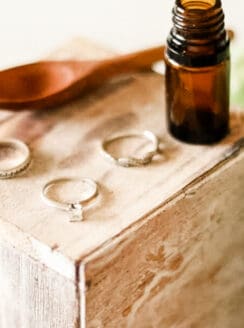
(15, 157)
(74, 208)
(146, 158)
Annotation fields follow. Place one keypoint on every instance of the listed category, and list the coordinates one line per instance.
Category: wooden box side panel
(182, 267)
(33, 296)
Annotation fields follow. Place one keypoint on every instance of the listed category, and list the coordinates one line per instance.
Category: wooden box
(164, 246)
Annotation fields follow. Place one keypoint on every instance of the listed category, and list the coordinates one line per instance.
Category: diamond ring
(88, 192)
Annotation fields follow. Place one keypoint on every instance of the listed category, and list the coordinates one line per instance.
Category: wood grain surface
(137, 239)
(66, 142)
(180, 267)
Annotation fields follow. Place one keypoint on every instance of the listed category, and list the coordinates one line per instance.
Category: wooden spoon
(50, 83)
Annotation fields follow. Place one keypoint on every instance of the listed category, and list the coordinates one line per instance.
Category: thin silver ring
(76, 208)
(129, 161)
(23, 149)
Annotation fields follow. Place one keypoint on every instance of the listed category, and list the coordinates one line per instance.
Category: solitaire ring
(15, 157)
(90, 191)
(130, 161)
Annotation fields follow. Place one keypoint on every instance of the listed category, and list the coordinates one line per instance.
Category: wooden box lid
(66, 142)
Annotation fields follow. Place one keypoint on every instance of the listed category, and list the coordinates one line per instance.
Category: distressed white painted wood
(146, 244)
(182, 266)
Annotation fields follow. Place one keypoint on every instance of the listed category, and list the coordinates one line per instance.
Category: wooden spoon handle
(131, 62)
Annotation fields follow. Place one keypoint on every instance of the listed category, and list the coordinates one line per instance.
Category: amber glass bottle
(198, 72)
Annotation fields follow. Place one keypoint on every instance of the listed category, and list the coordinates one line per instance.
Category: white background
(31, 28)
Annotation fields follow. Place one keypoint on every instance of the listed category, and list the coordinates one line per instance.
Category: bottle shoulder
(171, 62)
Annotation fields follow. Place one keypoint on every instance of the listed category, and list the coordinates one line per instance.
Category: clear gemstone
(76, 213)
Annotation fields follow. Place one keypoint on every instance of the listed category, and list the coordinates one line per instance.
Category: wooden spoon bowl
(47, 84)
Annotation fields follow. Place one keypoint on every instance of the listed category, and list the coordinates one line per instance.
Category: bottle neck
(198, 37)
